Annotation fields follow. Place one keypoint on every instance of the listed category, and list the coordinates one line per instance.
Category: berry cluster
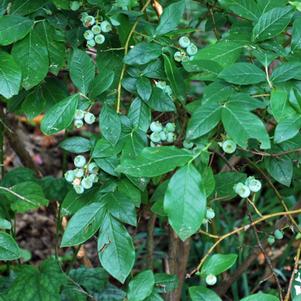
(94, 33)
(244, 189)
(81, 116)
(83, 176)
(228, 146)
(163, 86)
(278, 234)
(187, 52)
(162, 133)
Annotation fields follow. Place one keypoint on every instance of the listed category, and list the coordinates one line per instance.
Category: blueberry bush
(178, 135)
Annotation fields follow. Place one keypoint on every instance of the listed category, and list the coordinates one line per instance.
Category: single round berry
(271, 240)
(87, 182)
(93, 168)
(185, 57)
(211, 279)
(210, 214)
(184, 42)
(152, 144)
(177, 56)
(91, 43)
(192, 49)
(79, 189)
(163, 136)
(96, 29)
(78, 123)
(89, 118)
(242, 190)
(79, 114)
(278, 234)
(79, 172)
(99, 39)
(89, 21)
(155, 137)
(229, 146)
(79, 161)
(105, 26)
(156, 127)
(253, 184)
(191, 58)
(188, 144)
(88, 35)
(170, 127)
(74, 5)
(170, 137)
(69, 176)
(83, 16)
(205, 221)
(93, 178)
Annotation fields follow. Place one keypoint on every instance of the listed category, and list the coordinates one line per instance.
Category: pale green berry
(79, 161)
(271, 240)
(278, 234)
(89, 21)
(78, 123)
(69, 176)
(79, 172)
(87, 182)
(191, 58)
(74, 5)
(96, 29)
(184, 42)
(185, 58)
(192, 49)
(89, 118)
(170, 127)
(242, 190)
(79, 114)
(105, 26)
(152, 144)
(205, 221)
(229, 146)
(88, 35)
(170, 137)
(210, 214)
(91, 43)
(155, 137)
(93, 178)
(163, 136)
(211, 280)
(93, 168)
(177, 56)
(253, 184)
(79, 189)
(99, 39)
(83, 16)
(188, 144)
(156, 126)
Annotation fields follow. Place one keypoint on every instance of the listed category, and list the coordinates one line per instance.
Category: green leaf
(83, 224)
(31, 54)
(209, 68)
(155, 161)
(115, 249)
(296, 35)
(5, 224)
(76, 145)
(82, 70)
(175, 78)
(243, 74)
(241, 125)
(14, 28)
(185, 201)
(10, 75)
(110, 124)
(260, 297)
(224, 53)
(141, 286)
(144, 88)
(202, 293)
(9, 249)
(203, 120)
(160, 101)
(286, 71)
(218, 263)
(104, 149)
(25, 7)
(287, 129)
(101, 83)
(170, 18)
(60, 116)
(140, 115)
(280, 106)
(165, 282)
(142, 54)
(272, 23)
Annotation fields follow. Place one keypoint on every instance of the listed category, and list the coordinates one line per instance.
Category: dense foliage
(179, 128)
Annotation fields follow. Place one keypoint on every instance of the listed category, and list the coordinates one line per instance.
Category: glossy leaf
(201, 293)
(260, 297)
(76, 145)
(9, 249)
(101, 83)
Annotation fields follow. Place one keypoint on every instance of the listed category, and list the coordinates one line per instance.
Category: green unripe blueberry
(79, 189)
(205, 221)
(170, 137)
(105, 26)
(155, 137)
(191, 57)
(99, 39)
(177, 56)
(87, 182)
(278, 234)
(170, 127)
(79, 172)
(192, 49)
(89, 118)
(253, 184)
(93, 168)
(91, 43)
(96, 29)
(271, 240)
(163, 136)
(74, 5)
(152, 144)
(89, 21)
(79, 114)
(242, 190)
(229, 146)
(93, 178)
(88, 35)
(79, 161)
(83, 16)
(184, 42)
(185, 58)
(188, 144)
(210, 214)
(69, 176)
(211, 280)
(78, 123)
(156, 126)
